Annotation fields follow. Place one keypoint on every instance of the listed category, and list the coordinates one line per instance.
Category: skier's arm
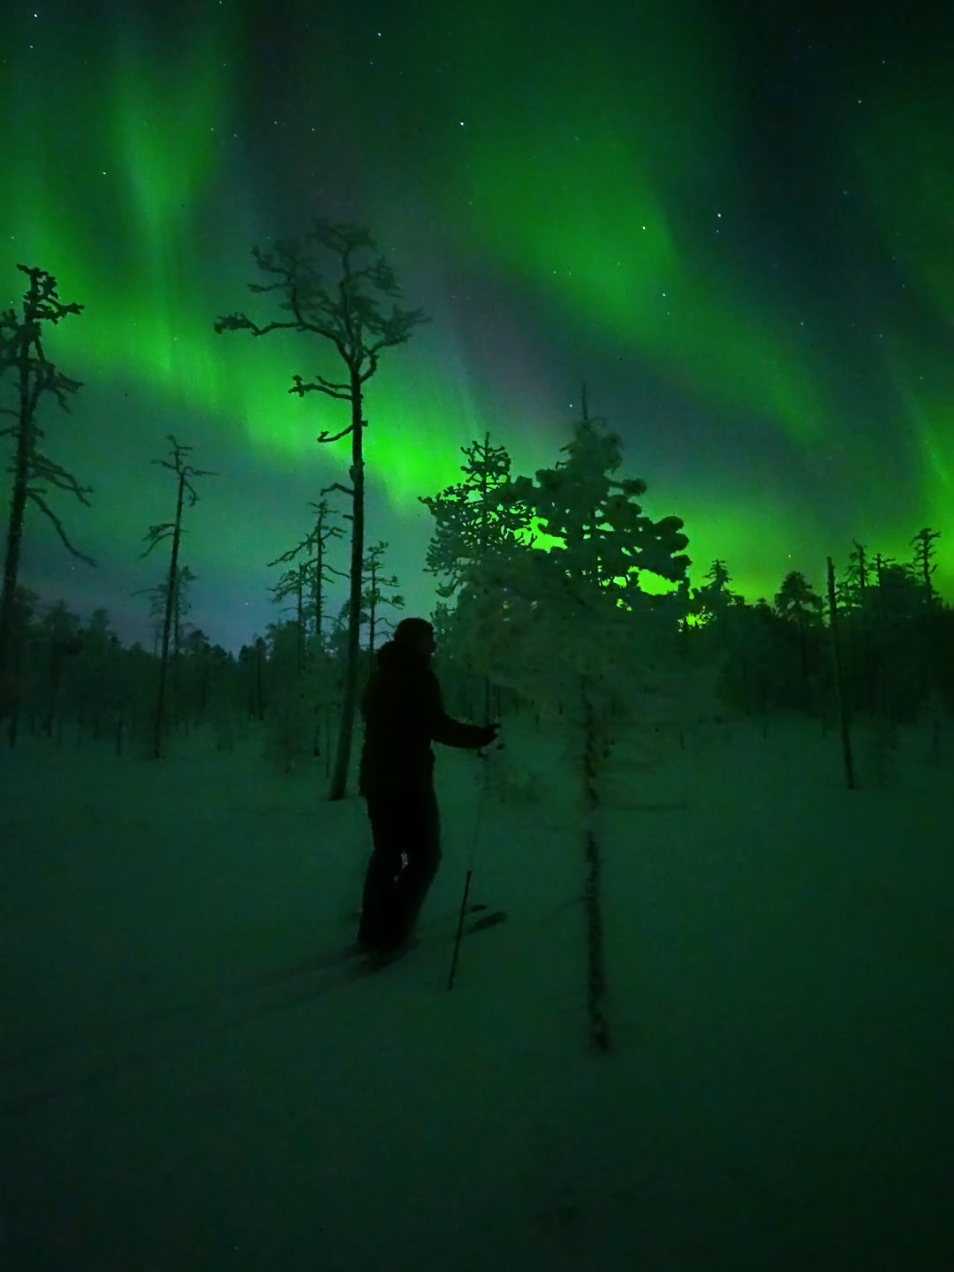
(442, 728)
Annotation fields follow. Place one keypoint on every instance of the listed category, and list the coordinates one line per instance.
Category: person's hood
(394, 656)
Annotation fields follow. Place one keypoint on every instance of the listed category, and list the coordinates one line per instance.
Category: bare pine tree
(349, 314)
(174, 530)
(924, 564)
(315, 566)
(292, 583)
(22, 352)
(373, 598)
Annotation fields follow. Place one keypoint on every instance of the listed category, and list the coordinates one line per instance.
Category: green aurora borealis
(738, 230)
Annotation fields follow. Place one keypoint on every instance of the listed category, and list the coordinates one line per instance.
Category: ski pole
(470, 871)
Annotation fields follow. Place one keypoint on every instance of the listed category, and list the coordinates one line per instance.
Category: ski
(322, 962)
(352, 951)
(365, 965)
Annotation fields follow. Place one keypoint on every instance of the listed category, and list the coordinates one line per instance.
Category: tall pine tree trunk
(339, 781)
(840, 687)
(301, 619)
(167, 629)
(596, 955)
(11, 569)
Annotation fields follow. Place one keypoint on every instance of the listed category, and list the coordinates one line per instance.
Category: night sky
(733, 220)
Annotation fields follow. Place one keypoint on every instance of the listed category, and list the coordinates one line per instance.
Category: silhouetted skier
(403, 713)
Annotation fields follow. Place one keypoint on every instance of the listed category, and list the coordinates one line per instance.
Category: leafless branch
(337, 485)
(157, 534)
(341, 391)
(46, 470)
(239, 322)
(37, 497)
(337, 438)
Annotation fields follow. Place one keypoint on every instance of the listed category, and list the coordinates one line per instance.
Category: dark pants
(407, 852)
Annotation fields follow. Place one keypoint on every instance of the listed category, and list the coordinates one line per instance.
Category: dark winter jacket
(403, 713)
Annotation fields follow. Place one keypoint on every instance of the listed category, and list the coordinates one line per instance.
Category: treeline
(895, 637)
(74, 678)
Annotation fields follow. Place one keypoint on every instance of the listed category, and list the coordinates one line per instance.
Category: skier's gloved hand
(489, 734)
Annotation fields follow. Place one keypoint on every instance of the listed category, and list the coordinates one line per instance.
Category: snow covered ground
(780, 954)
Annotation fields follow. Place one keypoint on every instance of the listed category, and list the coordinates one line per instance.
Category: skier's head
(416, 634)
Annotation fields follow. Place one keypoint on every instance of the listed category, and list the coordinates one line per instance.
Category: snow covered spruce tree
(34, 376)
(473, 526)
(470, 521)
(577, 629)
(173, 530)
(349, 314)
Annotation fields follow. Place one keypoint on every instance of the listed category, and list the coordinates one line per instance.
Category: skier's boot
(381, 956)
